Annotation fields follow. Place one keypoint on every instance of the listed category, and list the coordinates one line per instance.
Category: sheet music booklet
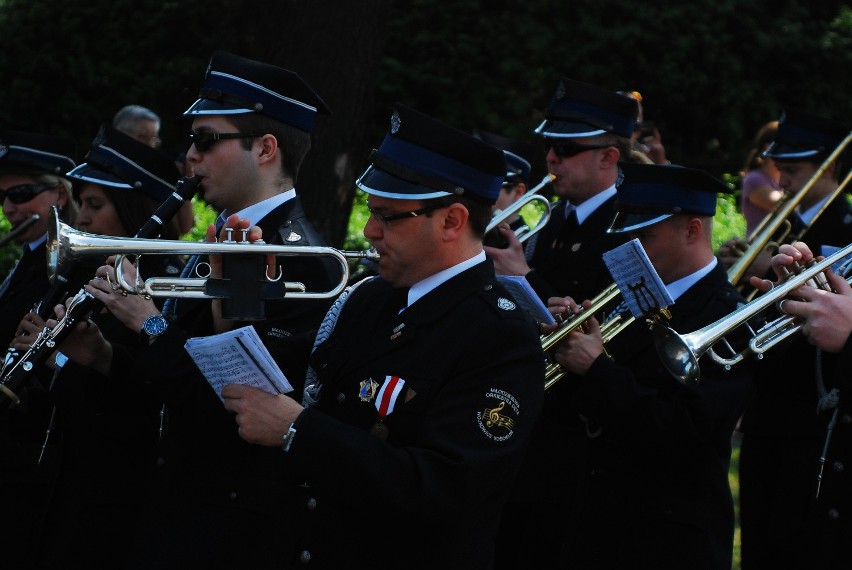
(636, 278)
(237, 357)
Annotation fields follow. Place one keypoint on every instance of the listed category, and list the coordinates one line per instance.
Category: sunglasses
(565, 149)
(23, 193)
(204, 141)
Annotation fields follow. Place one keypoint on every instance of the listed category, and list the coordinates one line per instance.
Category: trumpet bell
(677, 354)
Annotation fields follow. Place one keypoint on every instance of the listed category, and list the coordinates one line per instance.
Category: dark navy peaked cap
(517, 154)
(118, 161)
(236, 85)
(650, 193)
(803, 136)
(31, 151)
(583, 110)
(421, 158)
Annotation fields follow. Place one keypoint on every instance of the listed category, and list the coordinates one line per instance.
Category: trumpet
(19, 229)
(680, 353)
(532, 195)
(609, 329)
(65, 244)
(776, 227)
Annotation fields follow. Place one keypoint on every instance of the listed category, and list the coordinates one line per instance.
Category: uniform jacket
(657, 493)
(828, 526)
(781, 427)
(100, 453)
(217, 500)
(420, 486)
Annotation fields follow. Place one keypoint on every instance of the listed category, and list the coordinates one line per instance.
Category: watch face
(155, 325)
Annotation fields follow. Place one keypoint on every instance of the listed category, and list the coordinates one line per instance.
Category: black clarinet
(83, 304)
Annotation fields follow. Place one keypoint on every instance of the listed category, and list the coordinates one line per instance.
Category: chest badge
(368, 390)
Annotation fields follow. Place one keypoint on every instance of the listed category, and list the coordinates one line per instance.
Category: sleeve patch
(497, 415)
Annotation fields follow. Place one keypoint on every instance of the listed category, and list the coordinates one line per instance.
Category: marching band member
(826, 322)
(659, 449)
(586, 133)
(215, 500)
(102, 431)
(429, 378)
(781, 433)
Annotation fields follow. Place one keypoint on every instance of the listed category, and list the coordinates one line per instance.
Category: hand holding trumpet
(827, 315)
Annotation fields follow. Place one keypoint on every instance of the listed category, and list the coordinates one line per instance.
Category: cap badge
(395, 122)
(294, 237)
(505, 304)
(560, 90)
(4, 150)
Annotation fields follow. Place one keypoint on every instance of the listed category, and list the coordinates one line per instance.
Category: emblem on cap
(560, 90)
(498, 415)
(4, 150)
(395, 122)
(505, 304)
(294, 237)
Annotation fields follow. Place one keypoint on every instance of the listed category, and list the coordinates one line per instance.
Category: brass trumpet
(609, 329)
(65, 244)
(680, 353)
(776, 228)
(19, 229)
(532, 195)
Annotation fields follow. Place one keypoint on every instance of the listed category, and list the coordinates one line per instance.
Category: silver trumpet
(65, 244)
(532, 195)
(680, 353)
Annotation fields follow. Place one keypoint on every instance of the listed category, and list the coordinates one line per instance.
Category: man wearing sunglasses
(32, 181)
(586, 133)
(216, 500)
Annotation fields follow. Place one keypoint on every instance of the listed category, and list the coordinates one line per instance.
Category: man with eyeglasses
(586, 133)
(425, 382)
(216, 501)
(32, 181)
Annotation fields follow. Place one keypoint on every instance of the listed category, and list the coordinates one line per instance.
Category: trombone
(609, 329)
(680, 353)
(19, 229)
(532, 195)
(65, 244)
(776, 227)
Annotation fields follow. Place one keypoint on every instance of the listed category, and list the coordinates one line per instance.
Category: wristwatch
(154, 326)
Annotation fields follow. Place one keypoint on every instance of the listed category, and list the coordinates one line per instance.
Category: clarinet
(83, 303)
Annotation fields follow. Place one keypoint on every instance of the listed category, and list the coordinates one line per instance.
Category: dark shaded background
(710, 72)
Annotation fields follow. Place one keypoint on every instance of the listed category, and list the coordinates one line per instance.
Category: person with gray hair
(139, 122)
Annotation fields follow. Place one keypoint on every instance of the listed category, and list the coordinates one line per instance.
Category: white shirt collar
(257, 212)
(808, 215)
(423, 287)
(682, 285)
(588, 207)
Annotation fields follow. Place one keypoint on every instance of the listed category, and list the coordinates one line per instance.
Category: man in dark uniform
(656, 493)
(586, 132)
(826, 321)
(782, 435)
(428, 378)
(217, 501)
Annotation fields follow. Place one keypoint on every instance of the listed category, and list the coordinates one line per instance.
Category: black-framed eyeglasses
(386, 219)
(22, 193)
(205, 140)
(568, 148)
